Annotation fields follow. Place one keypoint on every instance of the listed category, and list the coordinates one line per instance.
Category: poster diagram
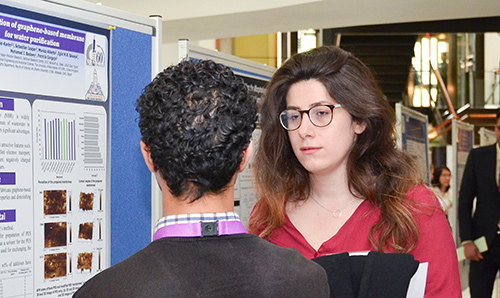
(69, 174)
(93, 140)
(58, 135)
(57, 138)
(95, 59)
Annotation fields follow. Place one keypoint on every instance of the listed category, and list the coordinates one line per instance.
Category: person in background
(480, 183)
(441, 185)
(443, 71)
(329, 177)
(196, 121)
(443, 67)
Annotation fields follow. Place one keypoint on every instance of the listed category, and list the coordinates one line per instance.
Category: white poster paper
(16, 202)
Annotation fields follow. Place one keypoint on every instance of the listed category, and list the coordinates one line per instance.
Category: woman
(329, 177)
(440, 185)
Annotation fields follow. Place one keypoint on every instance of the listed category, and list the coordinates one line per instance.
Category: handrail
(441, 125)
(447, 129)
(446, 95)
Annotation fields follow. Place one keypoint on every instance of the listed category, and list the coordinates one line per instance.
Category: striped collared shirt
(195, 218)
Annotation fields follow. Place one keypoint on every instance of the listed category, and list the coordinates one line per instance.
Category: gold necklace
(336, 212)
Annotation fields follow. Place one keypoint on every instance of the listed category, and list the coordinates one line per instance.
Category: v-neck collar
(365, 206)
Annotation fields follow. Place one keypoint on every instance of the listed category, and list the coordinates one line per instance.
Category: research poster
(462, 142)
(54, 138)
(244, 191)
(413, 138)
(486, 137)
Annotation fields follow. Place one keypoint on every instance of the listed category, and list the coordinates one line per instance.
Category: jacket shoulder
(483, 149)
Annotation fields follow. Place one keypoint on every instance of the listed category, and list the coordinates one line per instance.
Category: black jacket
(479, 181)
(241, 265)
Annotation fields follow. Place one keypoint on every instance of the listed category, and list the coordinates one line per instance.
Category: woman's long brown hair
(376, 169)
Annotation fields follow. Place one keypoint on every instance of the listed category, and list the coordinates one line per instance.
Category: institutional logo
(95, 55)
(95, 91)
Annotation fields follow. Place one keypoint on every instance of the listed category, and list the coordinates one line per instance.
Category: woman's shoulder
(424, 197)
(423, 194)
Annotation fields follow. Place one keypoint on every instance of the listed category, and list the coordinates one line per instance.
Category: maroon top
(435, 243)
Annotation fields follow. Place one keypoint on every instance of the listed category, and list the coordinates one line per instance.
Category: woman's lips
(309, 150)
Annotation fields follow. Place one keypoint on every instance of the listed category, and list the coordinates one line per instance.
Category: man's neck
(209, 203)
(223, 202)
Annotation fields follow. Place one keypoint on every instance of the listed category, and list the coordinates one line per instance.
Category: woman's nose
(306, 126)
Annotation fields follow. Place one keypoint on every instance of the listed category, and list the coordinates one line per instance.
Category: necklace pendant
(337, 213)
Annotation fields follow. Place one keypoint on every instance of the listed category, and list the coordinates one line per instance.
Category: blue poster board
(130, 178)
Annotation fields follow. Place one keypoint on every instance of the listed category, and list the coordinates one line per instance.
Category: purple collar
(201, 229)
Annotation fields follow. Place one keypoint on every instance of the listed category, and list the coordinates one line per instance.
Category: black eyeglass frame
(301, 112)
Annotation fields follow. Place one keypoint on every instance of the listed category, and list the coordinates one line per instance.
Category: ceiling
(212, 19)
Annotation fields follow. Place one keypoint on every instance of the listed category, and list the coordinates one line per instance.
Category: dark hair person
(196, 156)
(441, 185)
(329, 177)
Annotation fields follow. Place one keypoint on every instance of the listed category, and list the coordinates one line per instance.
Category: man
(481, 181)
(196, 121)
(443, 71)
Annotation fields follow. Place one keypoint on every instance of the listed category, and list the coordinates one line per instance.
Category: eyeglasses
(320, 116)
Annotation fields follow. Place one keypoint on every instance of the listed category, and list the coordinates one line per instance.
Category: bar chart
(59, 136)
(93, 140)
(57, 139)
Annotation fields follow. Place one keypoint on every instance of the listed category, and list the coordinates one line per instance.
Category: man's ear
(246, 157)
(146, 153)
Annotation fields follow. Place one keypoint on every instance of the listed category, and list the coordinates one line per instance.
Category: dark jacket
(241, 265)
(479, 181)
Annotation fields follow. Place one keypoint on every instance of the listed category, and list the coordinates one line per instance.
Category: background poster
(462, 142)
(413, 138)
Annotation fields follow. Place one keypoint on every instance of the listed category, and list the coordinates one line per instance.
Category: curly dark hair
(196, 118)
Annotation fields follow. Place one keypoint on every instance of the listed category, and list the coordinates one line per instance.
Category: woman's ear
(359, 127)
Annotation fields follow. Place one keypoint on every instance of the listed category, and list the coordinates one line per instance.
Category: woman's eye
(322, 113)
